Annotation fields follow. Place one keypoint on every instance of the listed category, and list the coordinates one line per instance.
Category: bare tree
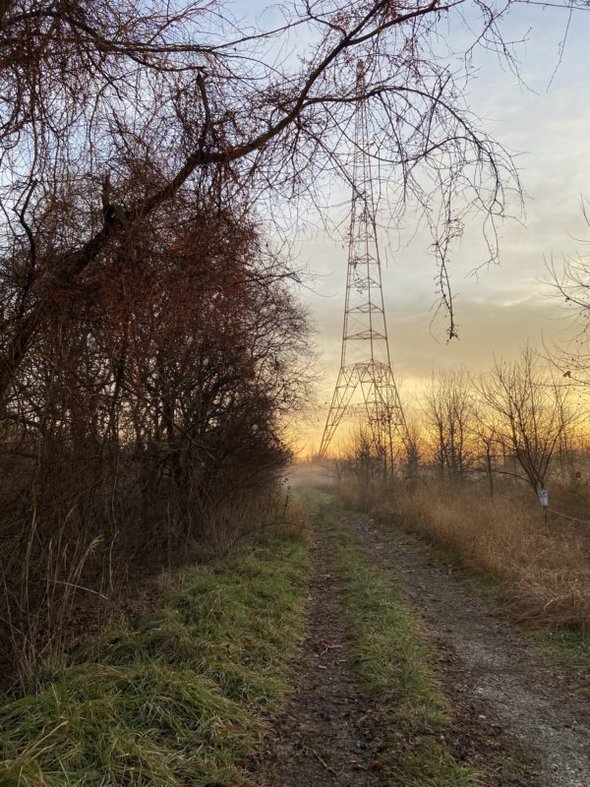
(364, 460)
(571, 283)
(143, 410)
(112, 108)
(450, 413)
(531, 413)
(413, 448)
(487, 441)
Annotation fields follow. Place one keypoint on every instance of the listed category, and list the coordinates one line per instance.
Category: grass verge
(180, 698)
(393, 665)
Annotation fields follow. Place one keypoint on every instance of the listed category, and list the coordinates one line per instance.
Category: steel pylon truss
(376, 403)
(365, 387)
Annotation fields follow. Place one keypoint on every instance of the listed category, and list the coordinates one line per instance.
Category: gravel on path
(542, 706)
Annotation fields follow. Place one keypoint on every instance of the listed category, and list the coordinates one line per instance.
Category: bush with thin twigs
(151, 434)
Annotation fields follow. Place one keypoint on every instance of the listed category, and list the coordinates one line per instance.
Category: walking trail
(324, 739)
(505, 697)
(543, 706)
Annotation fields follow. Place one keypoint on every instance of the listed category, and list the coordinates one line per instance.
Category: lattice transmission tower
(365, 387)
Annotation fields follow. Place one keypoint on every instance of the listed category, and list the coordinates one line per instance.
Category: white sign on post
(544, 498)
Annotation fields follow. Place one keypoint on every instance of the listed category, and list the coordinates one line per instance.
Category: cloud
(506, 305)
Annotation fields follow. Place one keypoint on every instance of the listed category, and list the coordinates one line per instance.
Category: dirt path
(513, 687)
(324, 740)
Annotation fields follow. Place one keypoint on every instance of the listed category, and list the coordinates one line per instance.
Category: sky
(544, 120)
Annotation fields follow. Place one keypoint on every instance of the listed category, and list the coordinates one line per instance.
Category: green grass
(181, 698)
(565, 648)
(393, 664)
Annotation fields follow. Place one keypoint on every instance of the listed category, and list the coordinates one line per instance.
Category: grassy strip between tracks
(393, 665)
(182, 697)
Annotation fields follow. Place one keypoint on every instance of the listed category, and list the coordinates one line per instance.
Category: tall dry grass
(545, 564)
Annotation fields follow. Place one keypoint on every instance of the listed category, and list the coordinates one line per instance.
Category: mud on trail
(324, 739)
(505, 700)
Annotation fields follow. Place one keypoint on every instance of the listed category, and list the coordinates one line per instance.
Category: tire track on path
(324, 739)
(539, 705)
